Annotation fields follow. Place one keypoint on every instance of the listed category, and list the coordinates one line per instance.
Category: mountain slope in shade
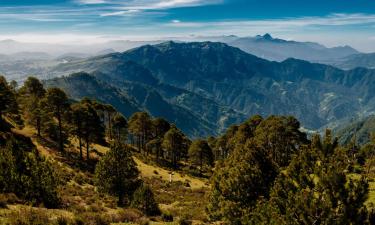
(357, 60)
(202, 75)
(360, 130)
(276, 49)
(132, 97)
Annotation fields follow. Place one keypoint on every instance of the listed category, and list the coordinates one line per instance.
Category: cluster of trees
(273, 174)
(30, 176)
(266, 170)
(58, 118)
(25, 173)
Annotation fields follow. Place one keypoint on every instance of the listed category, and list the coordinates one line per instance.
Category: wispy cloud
(285, 23)
(149, 4)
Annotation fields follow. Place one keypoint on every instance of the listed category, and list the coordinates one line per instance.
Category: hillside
(358, 130)
(128, 97)
(357, 60)
(65, 161)
(236, 84)
(81, 203)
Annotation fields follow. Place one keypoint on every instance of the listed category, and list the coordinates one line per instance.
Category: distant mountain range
(357, 60)
(204, 86)
(17, 60)
(275, 49)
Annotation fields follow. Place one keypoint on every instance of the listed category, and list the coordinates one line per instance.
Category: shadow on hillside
(69, 157)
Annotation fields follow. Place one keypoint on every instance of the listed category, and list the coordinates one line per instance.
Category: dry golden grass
(150, 171)
(80, 197)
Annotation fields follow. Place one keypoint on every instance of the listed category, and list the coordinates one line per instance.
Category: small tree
(143, 199)
(117, 174)
(200, 153)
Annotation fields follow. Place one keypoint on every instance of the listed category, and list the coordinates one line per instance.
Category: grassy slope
(79, 195)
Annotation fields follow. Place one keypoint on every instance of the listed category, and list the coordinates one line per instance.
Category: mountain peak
(267, 36)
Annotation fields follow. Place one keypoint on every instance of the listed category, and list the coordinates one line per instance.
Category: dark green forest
(80, 161)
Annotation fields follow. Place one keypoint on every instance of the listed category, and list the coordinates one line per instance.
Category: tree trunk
(87, 149)
(38, 126)
(80, 146)
(110, 126)
(120, 201)
(60, 131)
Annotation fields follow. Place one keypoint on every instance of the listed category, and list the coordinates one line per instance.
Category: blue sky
(331, 22)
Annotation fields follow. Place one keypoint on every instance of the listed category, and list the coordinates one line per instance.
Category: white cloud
(287, 23)
(121, 13)
(90, 2)
(150, 4)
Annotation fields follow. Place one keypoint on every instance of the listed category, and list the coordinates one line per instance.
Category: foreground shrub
(27, 174)
(143, 199)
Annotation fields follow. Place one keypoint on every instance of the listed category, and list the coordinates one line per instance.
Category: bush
(143, 199)
(129, 215)
(27, 174)
(167, 216)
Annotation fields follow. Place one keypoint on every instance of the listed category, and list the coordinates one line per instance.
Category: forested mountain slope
(236, 84)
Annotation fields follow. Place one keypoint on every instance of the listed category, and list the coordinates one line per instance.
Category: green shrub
(27, 174)
(143, 199)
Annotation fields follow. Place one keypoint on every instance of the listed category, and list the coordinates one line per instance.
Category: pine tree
(7, 98)
(32, 93)
(119, 128)
(200, 153)
(315, 189)
(239, 182)
(140, 126)
(117, 174)
(57, 103)
(87, 125)
(176, 144)
(143, 199)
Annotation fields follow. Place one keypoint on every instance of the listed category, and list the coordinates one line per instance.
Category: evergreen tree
(160, 127)
(200, 153)
(143, 199)
(92, 128)
(27, 174)
(155, 146)
(280, 137)
(140, 126)
(117, 174)
(7, 98)
(316, 189)
(78, 115)
(176, 144)
(31, 94)
(57, 103)
(119, 128)
(239, 182)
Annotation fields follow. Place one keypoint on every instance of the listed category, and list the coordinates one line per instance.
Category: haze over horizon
(333, 23)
